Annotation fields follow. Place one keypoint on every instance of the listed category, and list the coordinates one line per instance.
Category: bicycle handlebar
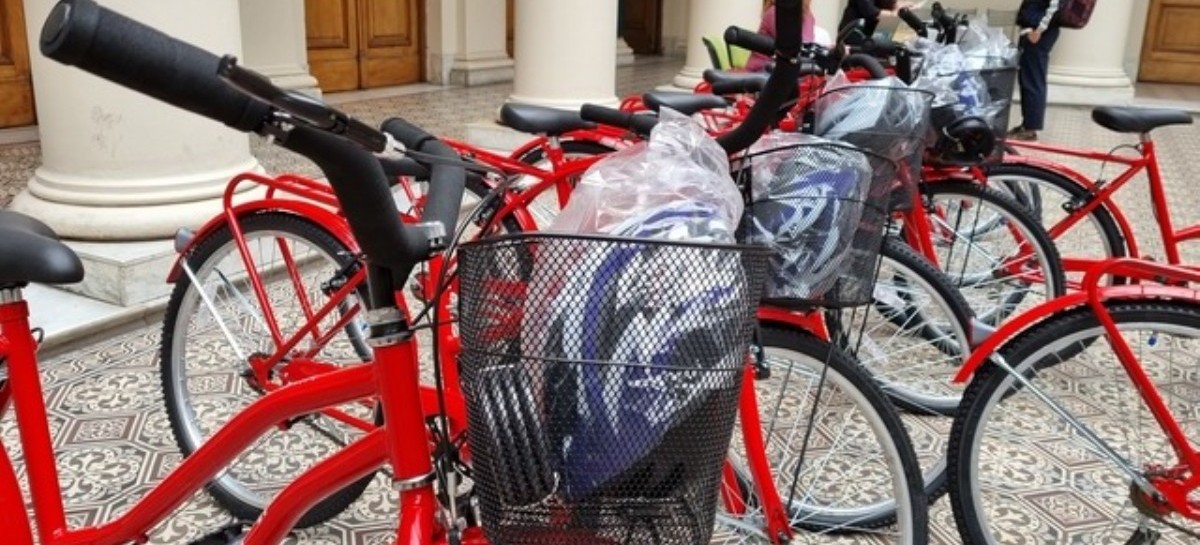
(913, 21)
(112, 46)
(866, 62)
(748, 39)
(778, 88)
(640, 124)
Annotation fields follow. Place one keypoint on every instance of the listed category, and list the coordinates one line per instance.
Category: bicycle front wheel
(840, 458)
(216, 326)
(1021, 473)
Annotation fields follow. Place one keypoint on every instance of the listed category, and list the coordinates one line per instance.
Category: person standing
(870, 11)
(1039, 32)
(759, 62)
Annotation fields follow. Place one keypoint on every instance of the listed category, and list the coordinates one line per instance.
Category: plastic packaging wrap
(972, 79)
(885, 117)
(639, 321)
(676, 186)
(811, 202)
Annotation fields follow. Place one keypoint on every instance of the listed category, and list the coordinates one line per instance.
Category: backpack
(1074, 13)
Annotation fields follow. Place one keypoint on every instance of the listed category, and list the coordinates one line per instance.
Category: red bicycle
(1079, 424)
(1081, 213)
(419, 431)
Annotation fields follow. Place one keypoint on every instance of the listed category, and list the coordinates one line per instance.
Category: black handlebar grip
(639, 124)
(913, 22)
(737, 86)
(879, 49)
(394, 167)
(866, 62)
(780, 87)
(114, 47)
(446, 180)
(748, 39)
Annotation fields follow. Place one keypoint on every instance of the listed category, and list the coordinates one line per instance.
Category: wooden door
(16, 85)
(1171, 48)
(361, 44)
(641, 25)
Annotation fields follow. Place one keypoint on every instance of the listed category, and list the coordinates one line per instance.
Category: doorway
(1171, 48)
(16, 82)
(362, 44)
(640, 24)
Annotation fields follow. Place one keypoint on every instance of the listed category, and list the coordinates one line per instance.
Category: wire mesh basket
(820, 205)
(984, 90)
(887, 118)
(602, 377)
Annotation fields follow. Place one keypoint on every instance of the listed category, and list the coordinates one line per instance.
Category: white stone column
(711, 18)
(1087, 66)
(273, 43)
(565, 52)
(481, 57)
(117, 165)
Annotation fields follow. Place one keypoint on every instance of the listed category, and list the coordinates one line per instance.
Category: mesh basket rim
(824, 144)
(752, 249)
(930, 95)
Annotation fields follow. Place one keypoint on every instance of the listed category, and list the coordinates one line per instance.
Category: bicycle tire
(1029, 486)
(978, 287)
(896, 488)
(182, 335)
(1025, 178)
(906, 272)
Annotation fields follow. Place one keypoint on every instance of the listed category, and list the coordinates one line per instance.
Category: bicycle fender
(1021, 322)
(320, 215)
(812, 321)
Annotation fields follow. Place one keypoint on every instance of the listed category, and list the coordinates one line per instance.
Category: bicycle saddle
(542, 120)
(31, 252)
(1138, 120)
(684, 103)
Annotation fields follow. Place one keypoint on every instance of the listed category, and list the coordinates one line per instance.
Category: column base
(482, 71)
(293, 78)
(494, 136)
(625, 56)
(688, 78)
(565, 103)
(1076, 95)
(125, 274)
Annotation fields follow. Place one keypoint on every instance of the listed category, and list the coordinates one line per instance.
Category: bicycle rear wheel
(214, 326)
(1021, 474)
(855, 473)
(978, 234)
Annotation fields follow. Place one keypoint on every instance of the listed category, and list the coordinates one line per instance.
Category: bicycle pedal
(227, 535)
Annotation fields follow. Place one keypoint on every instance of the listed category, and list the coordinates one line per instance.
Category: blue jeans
(1034, 63)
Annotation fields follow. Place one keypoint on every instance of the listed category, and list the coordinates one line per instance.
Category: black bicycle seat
(542, 120)
(685, 103)
(1138, 120)
(31, 252)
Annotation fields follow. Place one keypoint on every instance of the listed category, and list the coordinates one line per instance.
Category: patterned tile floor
(105, 402)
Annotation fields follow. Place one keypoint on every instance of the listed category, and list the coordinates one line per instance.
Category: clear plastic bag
(815, 204)
(675, 186)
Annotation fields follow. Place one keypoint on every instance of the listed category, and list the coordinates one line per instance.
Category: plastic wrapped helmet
(808, 203)
(609, 304)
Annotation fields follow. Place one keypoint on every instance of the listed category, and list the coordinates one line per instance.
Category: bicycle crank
(1156, 510)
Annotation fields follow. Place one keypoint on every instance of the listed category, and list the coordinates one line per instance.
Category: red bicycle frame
(1163, 282)
(1101, 194)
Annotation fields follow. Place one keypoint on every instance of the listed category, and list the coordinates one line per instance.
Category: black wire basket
(602, 377)
(985, 92)
(888, 119)
(821, 207)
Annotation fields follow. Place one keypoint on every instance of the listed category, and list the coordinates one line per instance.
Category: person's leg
(1034, 70)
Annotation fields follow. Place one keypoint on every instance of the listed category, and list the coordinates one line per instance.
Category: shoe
(1021, 133)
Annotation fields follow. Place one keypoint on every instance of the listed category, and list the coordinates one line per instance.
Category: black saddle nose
(31, 252)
